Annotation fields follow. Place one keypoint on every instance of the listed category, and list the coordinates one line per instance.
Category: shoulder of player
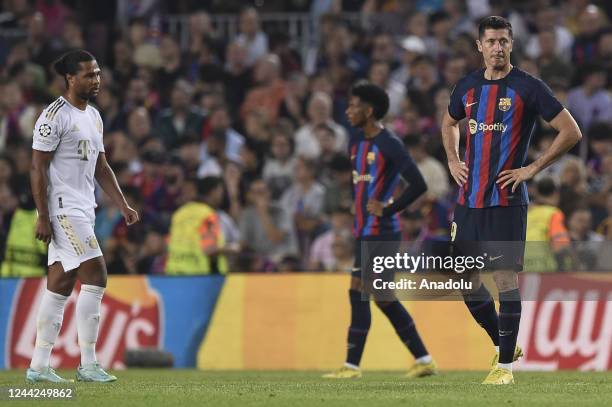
(468, 81)
(529, 81)
(55, 110)
(388, 141)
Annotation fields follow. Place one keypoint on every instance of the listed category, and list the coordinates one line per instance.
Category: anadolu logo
(475, 126)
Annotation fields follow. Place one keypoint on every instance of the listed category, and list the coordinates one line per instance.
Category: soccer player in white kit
(68, 154)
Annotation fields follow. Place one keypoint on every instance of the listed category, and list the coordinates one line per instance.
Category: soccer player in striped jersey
(501, 104)
(379, 160)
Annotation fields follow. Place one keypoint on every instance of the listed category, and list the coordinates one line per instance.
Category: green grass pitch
(184, 388)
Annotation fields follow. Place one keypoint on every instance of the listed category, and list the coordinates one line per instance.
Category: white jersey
(76, 137)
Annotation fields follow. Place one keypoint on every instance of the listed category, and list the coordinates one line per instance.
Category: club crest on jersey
(505, 104)
(371, 157)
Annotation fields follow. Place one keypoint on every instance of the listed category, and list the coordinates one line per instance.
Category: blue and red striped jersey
(501, 117)
(378, 164)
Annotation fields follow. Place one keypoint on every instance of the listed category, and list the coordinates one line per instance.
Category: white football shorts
(74, 240)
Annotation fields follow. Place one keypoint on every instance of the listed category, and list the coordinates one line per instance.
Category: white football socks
(505, 366)
(88, 321)
(424, 360)
(48, 324)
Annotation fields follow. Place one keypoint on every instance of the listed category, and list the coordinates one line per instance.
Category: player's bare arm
(569, 134)
(39, 183)
(107, 180)
(450, 139)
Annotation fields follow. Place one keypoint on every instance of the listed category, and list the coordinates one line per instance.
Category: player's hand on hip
(375, 207)
(44, 232)
(515, 177)
(459, 171)
(130, 215)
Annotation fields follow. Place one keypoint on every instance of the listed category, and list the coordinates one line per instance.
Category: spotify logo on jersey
(475, 126)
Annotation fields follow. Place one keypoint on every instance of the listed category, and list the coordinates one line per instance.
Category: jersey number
(83, 148)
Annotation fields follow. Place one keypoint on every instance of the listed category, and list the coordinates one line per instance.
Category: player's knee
(356, 284)
(506, 280)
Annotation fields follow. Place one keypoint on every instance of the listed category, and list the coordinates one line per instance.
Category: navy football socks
(405, 328)
(509, 320)
(482, 308)
(361, 319)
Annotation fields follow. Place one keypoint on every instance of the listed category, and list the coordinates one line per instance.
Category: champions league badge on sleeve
(44, 130)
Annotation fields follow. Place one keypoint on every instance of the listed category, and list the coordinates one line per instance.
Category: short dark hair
(494, 23)
(374, 96)
(68, 63)
(546, 187)
(208, 184)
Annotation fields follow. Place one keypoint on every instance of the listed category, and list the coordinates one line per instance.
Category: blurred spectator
(266, 229)
(423, 85)
(319, 112)
(294, 105)
(546, 232)
(280, 166)
(339, 186)
(303, 202)
(322, 254)
(380, 72)
(433, 171)
(552, 66)
(412, 47)
(573, 185)
(586, 242)
(590, 22)
(438, 44)
(171, 70)
(196, 243)
(591, 102)
(343, 253)
(580, 227)
(384, 50)
(559, 38)
(605, 227)
(251, 36)
(181, 120)
(219, 121)
(269, 92)
(237, 75)
(454, 69)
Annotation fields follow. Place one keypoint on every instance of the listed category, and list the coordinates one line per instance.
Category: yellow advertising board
(300, 322)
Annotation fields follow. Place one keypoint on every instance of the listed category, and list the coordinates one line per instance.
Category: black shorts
(497, 233)
(369, 247)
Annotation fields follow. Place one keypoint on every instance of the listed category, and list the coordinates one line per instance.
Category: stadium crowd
(263, 119)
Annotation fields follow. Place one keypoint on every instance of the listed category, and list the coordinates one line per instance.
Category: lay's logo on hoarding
(131, 317)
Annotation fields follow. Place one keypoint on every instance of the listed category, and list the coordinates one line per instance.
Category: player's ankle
(507, 366)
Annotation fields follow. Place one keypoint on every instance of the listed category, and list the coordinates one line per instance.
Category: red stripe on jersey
(517, 121)
(360, 188)
(380, 162)
(486, 147)
(468, 112)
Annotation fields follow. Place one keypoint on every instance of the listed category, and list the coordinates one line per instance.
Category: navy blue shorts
(497, 232)
(381, 245)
